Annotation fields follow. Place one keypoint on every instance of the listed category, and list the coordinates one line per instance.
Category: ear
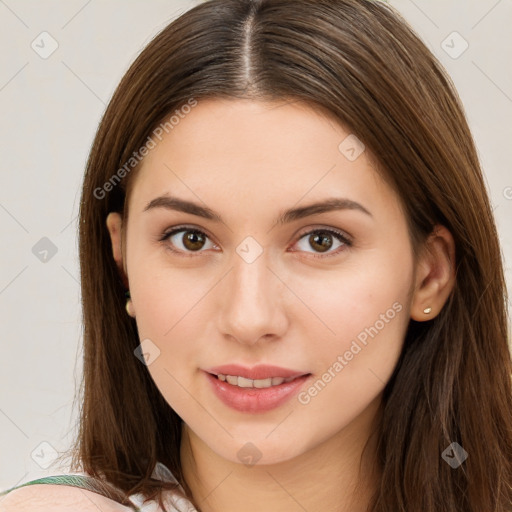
(114, 226)
(435, 274)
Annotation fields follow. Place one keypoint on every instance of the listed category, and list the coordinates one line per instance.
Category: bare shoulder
(57, 498)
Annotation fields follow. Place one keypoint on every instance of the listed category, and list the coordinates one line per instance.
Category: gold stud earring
(128, 303)
(427, 310)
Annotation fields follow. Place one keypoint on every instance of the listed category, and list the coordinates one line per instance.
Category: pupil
(193, 240)
(317, 239)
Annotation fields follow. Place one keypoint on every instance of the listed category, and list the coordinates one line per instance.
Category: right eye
(191, 240)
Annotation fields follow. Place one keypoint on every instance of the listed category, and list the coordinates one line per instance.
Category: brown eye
(319, 242)
(193, 240)
(186, 240)
(322, 241)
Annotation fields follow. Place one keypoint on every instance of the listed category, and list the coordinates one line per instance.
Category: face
(321, 294)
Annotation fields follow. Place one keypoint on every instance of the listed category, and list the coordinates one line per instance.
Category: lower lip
(255, 400)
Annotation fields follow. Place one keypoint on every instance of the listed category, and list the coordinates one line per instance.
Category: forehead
(252, 150)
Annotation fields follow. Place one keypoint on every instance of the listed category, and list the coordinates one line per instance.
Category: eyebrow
(290, 215)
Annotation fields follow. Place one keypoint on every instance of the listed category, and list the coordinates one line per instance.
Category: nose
(252, 302)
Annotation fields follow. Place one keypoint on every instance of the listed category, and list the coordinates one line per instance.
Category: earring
(128, 303)
(427, 310)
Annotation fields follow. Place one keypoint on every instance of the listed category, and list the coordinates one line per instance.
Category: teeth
(232, 380)
(242, 382)
(262, 383)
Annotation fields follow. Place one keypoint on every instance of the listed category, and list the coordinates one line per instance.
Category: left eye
(321, 239)
(193, 240)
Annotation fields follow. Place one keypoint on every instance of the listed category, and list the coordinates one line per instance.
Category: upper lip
(260, 371)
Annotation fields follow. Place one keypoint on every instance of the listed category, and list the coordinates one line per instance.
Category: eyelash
(337, 234)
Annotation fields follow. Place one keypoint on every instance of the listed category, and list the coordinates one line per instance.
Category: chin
(260, 451)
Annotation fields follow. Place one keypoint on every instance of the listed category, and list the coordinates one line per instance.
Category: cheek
(165, 300)
(367, 308)
(364, 298)
(171, 307)
(167, 309)
(165, 296)
(170, 312)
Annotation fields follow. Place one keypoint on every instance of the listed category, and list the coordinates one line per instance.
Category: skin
(57, 498)
(248, 161)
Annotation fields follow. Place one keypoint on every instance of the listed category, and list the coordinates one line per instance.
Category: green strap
(85, 482)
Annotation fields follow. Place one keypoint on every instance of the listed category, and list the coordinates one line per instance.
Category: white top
(173, 501)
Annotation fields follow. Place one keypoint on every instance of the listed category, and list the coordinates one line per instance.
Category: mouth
(257, 389)
(255, 373)
(242, 382)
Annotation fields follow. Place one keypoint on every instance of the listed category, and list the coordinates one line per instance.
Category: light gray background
(50, 110)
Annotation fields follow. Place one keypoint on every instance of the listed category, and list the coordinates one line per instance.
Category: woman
(292, 285)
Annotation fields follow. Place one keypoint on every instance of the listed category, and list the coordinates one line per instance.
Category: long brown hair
(362, 63)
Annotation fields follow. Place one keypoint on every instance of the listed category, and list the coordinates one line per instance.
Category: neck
(336, 475)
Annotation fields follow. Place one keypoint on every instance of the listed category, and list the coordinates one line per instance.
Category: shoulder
(57, 498)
